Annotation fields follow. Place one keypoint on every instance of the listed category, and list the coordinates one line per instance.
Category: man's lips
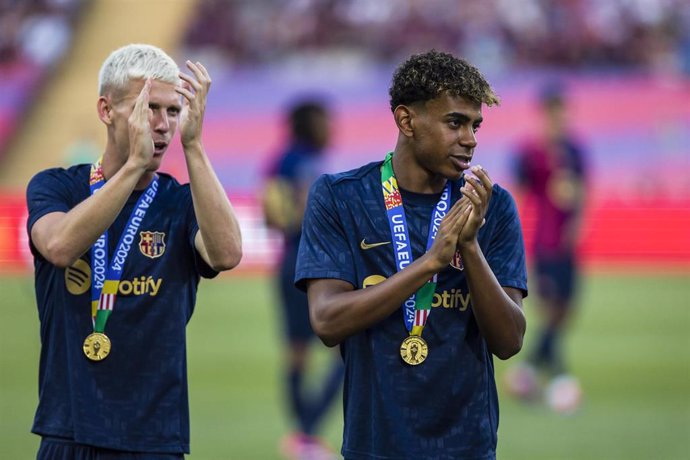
(159, 147)
(462, 162)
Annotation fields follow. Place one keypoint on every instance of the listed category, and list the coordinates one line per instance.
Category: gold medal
(97, 346)
(414, 350)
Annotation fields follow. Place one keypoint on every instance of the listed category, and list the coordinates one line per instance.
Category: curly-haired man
(420, 232)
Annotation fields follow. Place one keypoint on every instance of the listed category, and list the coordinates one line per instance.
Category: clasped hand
(462, 223)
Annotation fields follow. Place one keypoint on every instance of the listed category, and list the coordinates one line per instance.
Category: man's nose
(467, 137)
(160, 122)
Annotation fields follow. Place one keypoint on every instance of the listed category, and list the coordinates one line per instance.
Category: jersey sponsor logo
(78, 281)
(152, 244)
(453, 298)
(78, 277)
(372, 280)
(140, 286)
(364, 245)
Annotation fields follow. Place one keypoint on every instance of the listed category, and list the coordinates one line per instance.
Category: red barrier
(14, 252)
(637, 234)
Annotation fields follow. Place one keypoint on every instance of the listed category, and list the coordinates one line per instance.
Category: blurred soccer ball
(299, 446)
(564, 395)
(522, 382)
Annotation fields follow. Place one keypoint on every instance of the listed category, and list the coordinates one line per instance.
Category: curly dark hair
(425, 76)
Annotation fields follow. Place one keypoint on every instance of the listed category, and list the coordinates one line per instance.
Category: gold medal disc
(97, 346)
(414, 350)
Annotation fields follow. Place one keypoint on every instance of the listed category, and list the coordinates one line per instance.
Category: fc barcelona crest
(152, 244)
(457, 261)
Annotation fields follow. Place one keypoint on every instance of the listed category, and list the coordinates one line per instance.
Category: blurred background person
(290, 176)
(551, 174)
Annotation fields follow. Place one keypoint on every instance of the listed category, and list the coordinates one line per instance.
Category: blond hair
(136, 61)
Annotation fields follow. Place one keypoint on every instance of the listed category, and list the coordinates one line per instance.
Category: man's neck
(111, 167)
(145, 180)
(411, 176)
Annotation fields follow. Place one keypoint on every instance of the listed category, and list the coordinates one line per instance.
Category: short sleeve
(52, 190)
(324, 251)
(506, 251)
(202, 267)
(48, 191)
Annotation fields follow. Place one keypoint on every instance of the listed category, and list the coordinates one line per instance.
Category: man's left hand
(194, 90)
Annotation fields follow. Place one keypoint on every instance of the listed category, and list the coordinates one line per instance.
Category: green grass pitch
(630, 346)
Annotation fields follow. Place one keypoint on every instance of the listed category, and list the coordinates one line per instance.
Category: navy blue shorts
(294, 301)
(556, 277)
(64, 449)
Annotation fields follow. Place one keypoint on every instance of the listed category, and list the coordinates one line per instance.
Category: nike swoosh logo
(364, 245)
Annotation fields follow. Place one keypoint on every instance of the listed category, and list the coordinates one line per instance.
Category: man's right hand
(443, 249)
(140, 138)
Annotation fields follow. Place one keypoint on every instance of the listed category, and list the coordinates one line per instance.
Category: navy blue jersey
(298, 166)
(135, 399)
(447, 407)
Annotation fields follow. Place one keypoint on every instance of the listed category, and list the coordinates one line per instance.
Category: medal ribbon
(417, 307)
(105, 279)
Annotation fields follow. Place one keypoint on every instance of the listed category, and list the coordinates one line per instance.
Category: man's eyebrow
(157, 105)
(464, 118)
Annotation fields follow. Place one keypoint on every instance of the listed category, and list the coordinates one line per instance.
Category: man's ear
(104, 108)
(404, 118)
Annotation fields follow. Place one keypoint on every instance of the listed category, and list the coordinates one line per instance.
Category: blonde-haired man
(119, 249)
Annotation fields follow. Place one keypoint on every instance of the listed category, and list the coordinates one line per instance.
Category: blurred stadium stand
(34, 36)
(492, 33)
(626, 64)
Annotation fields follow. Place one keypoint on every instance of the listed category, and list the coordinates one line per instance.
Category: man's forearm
(63, 237)
(499, 317)
(218, 224)
(337, 313)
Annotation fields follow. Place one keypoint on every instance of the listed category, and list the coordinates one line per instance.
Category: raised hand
(446, 241)
(140, 140)
(478, 191)
(194, 91)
